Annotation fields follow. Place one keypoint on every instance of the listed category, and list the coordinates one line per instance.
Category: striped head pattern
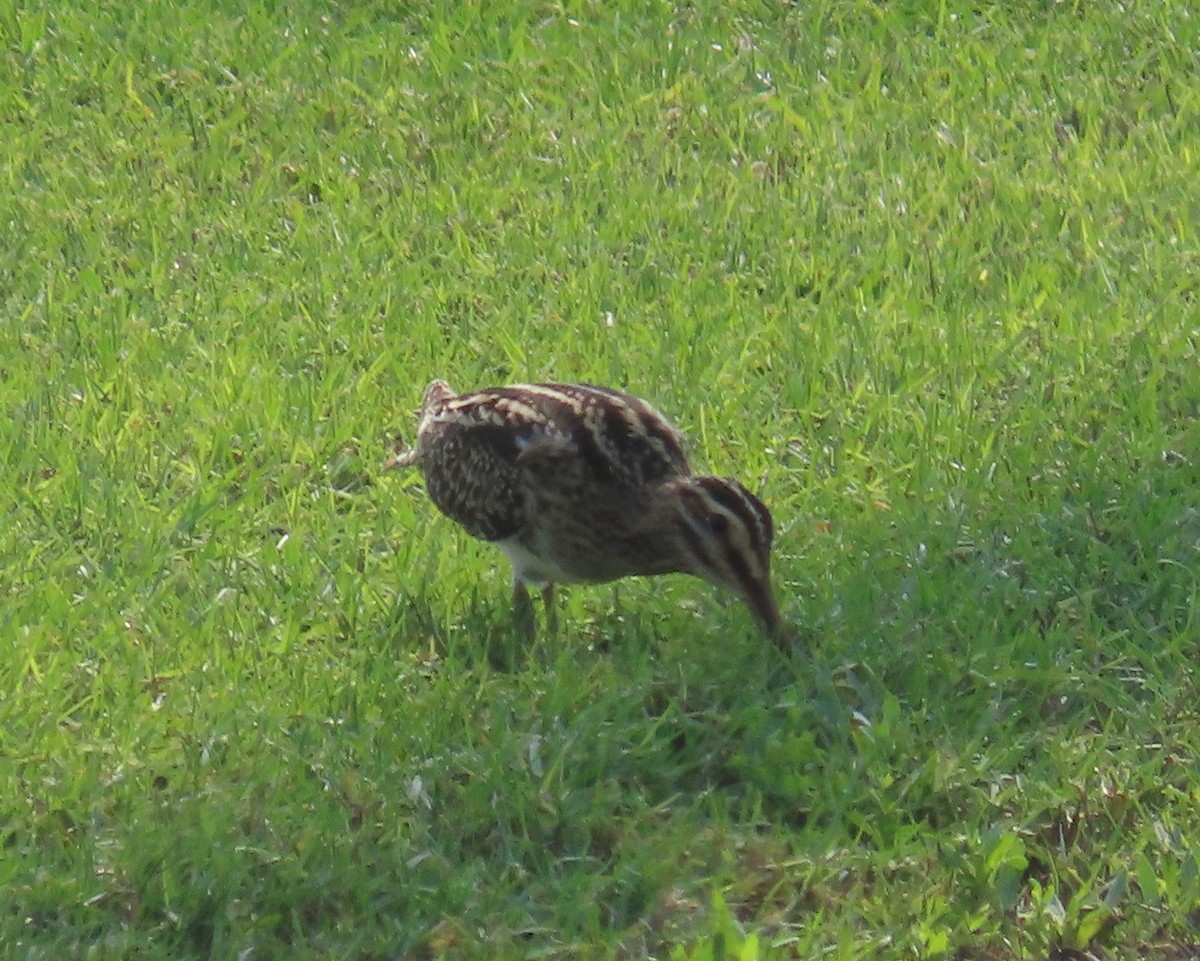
(728, 533)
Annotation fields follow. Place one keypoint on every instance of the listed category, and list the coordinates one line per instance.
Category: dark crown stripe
(700, 502)
(735, 499)
(696, 543)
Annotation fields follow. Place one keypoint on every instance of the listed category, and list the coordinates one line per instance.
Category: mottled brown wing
(484, 453)
(472, 476)
(617, 438)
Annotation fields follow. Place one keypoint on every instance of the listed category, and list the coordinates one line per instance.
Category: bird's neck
(665, 540)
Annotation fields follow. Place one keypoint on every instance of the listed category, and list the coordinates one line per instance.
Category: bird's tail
(405, 458)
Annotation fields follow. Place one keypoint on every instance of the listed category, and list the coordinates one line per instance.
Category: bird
(581, 483)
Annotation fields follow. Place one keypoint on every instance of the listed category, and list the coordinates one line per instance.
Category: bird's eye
(717, 523)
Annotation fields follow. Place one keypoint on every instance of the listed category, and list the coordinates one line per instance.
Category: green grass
(923, 275)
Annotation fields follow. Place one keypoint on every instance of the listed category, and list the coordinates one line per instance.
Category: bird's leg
(523, 608)
(551, 609)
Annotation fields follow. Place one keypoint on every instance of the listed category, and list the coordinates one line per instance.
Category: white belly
(529, 568)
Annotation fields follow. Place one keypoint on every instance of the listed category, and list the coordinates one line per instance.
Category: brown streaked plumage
(581, 483)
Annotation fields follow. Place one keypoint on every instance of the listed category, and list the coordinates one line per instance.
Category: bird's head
(726, 532)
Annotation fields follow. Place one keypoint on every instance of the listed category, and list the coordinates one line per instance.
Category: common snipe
(582, 483)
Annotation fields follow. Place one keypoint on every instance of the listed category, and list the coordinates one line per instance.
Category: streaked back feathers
(578, 482)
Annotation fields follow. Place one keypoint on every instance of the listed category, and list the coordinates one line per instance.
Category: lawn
(924, 276)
